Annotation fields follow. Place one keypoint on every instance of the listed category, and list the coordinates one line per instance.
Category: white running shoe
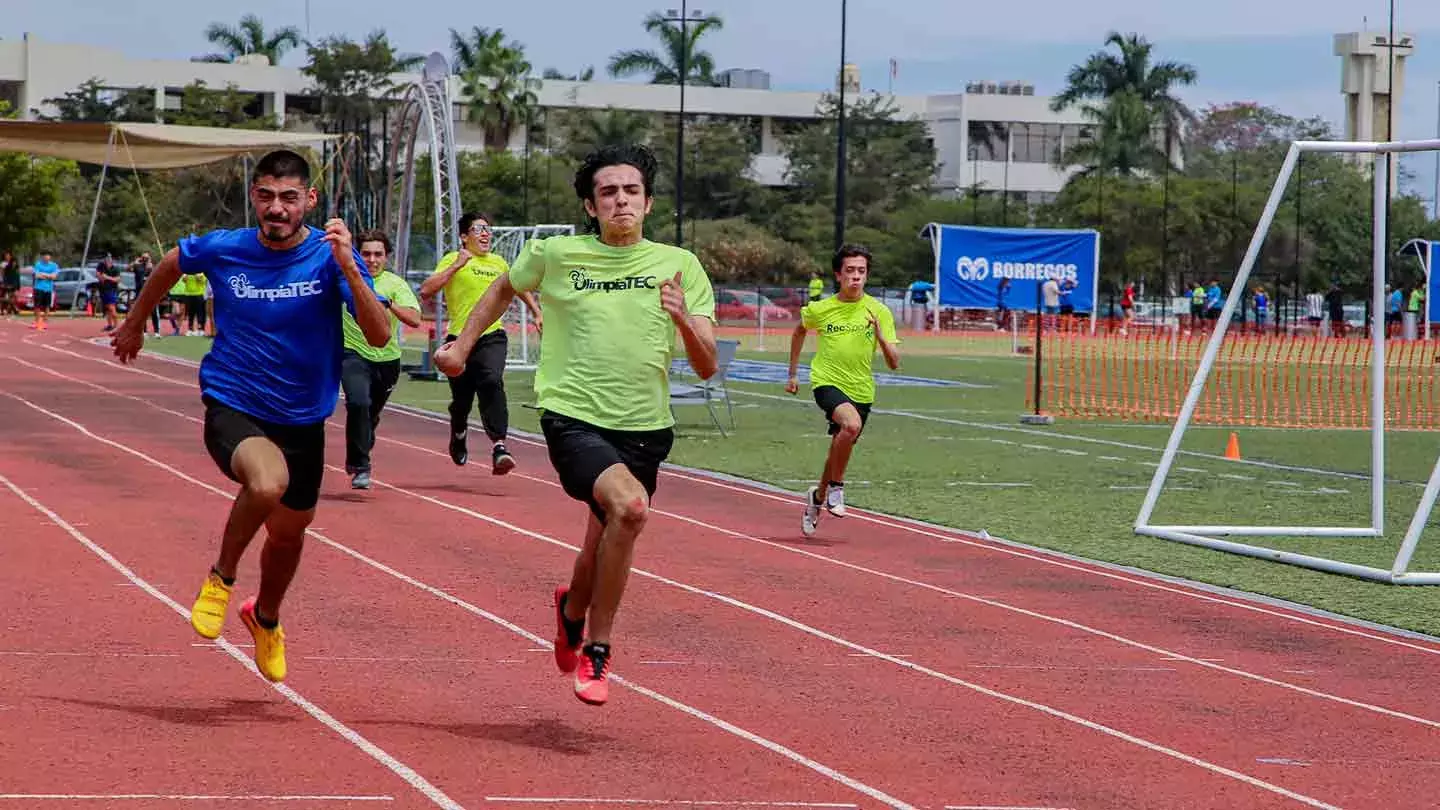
(812, 513)
(835, 500)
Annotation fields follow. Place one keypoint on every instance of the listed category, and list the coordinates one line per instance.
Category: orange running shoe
(591, 684)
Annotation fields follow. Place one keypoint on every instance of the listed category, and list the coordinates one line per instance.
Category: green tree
(1122, 142)
(676, 48)
(890, 162)
(584, 131)
(1130, 77)
(352, 79)
(30, 196)
(201, 106)
(250, 37)
(93, 101)
(734, 251)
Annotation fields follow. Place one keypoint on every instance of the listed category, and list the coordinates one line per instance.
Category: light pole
(840, 142)
(684, 17)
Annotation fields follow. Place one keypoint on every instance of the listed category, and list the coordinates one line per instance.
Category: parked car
(746, 305)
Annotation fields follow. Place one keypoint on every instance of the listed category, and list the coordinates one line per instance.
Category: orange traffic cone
(1232, 448)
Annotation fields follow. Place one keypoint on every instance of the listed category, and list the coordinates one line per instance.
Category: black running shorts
(302, 445)
(580, 452)
(828, 397)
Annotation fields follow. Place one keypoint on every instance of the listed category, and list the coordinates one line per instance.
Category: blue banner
(972, 262)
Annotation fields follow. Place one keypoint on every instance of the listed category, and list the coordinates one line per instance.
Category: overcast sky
(1276, 52)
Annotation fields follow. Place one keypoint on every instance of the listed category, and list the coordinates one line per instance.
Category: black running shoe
(458, 453)
(502, 462)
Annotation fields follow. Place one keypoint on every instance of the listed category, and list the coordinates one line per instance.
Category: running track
(879, 664)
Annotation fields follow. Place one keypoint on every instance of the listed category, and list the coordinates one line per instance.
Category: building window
(987, 140)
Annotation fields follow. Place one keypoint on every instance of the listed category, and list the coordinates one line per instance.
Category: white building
(971, 130)
(1371, 91)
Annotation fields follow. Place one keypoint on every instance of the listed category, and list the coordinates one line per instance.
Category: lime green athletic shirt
(846, 345)
(467, 287)
(398, 292)
(605, 352)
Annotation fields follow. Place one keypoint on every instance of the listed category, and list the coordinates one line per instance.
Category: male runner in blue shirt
(270, 380)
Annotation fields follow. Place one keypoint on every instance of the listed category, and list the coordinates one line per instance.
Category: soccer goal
(1211, 536)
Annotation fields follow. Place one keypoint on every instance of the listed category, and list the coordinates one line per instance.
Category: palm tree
(250, 37)
(586, 75)
(1124, 140)
(497, 80)
(1105, 75)
(482, 47)
(664, 67)
(587, 130)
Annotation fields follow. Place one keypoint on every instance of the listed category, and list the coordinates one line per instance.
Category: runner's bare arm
(797, 345)
(408, 316)
(130, 337)
(369, 312)
(437, 280)
(450, 359)
(697, 332)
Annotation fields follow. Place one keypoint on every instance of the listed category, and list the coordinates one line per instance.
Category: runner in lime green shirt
(465, 275)
(368, 374)
(613, 304)
(849, 327)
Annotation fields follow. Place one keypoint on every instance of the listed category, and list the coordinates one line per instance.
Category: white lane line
(399, 768)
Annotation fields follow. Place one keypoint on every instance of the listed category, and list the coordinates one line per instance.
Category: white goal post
(1209, 536)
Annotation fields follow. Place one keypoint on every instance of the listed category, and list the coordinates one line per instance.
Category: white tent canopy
(143, 146)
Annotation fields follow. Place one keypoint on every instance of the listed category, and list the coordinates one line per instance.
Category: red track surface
(878, 664)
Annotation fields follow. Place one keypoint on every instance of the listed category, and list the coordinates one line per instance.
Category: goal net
(1331, 548)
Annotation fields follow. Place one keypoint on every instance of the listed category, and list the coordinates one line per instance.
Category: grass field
(959, 457)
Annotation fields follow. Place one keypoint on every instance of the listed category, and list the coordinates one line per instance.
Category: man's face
(375, 257)
(619, 202)
(477, 239)
(852, 273)
(280, 205)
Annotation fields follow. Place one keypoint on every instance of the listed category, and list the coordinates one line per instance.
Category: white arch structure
(427, 122)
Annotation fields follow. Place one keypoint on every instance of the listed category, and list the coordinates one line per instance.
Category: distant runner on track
(849, 326)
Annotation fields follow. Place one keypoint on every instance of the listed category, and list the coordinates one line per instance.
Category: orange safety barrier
(1266, 379)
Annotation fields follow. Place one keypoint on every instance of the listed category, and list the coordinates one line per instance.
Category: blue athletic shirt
(278, 334)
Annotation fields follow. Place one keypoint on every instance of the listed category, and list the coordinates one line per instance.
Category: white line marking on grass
(1053, 434)
(400, 769)
(1001, 484)
(698, 714)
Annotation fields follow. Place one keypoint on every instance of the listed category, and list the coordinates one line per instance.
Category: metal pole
(1377, 359)
(1039, 337)
(840, 141)
(1435, 203)
(680, 128)
(99, 187)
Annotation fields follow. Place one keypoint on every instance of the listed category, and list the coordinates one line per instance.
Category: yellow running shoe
(269, 644)
(208, 614)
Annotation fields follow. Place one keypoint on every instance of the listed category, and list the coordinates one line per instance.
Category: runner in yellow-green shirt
(465, 275)
(849, 327)
(368, 374)
(614, 302)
